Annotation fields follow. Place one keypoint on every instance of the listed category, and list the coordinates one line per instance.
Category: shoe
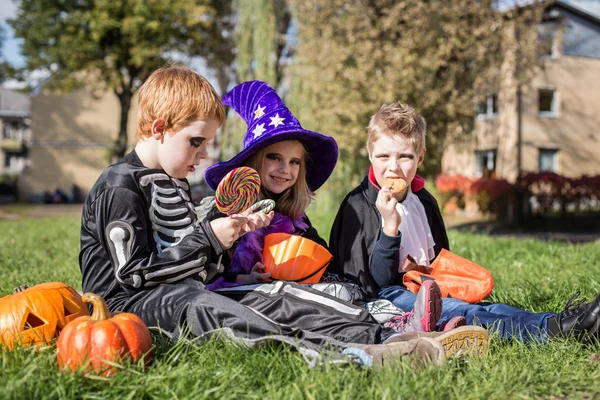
(421, 351)
(468, 339)
(425, 314)
(452, 323)
(579, 319)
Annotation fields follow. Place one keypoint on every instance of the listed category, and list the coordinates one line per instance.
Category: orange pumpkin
(97, 341)
(36, 315)
(294, 258)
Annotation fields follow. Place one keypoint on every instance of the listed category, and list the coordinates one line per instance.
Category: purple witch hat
(269, 121)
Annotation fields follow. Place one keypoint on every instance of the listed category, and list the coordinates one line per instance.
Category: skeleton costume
(144, 251)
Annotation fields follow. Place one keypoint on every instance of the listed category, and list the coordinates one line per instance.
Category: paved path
(23, 211)
(492, 228)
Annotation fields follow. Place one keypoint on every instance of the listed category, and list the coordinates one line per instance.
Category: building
(560, 107)
(15, 133)
(72, 137)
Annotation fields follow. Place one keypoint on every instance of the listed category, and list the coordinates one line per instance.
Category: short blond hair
(294, 200)
(397, 119)
(178, 96)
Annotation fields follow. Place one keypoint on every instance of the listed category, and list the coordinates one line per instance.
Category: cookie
(397, 185)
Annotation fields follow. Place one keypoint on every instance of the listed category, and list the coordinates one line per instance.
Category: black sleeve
(351, 246)
(312, 234)
(385, 259)
(121, 221)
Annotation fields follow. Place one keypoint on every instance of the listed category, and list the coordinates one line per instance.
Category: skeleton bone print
(171, 211)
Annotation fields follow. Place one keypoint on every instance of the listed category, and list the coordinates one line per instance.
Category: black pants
(285, 309)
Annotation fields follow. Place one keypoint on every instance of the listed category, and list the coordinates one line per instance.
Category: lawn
(535, 275)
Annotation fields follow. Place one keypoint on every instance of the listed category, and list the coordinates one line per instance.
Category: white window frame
(489, 108)
(554, 45)
(555, 160)
(555, 105)
(492, 155)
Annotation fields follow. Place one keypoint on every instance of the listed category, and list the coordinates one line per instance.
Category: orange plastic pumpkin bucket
(456, 276)
(294, 258)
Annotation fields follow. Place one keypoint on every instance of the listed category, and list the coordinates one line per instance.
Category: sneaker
(425, 314)
(452, 323)
(421, 351)
(469, 339)
(579, 319)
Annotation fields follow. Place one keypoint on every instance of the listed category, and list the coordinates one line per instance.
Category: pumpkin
(36, 315)
(99, 341)
(294, 258)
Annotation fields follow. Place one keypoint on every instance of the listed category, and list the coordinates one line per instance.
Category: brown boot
(468, 339)
(421, 351)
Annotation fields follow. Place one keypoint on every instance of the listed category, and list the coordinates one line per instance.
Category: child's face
(180, 152)
(394, 157)
(281, 165)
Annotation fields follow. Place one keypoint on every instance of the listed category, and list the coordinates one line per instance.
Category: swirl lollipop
(238, 191)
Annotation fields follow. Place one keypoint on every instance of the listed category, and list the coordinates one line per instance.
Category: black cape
(356, 229)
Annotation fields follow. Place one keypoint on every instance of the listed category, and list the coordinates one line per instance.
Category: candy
(264, 206)
(237, 191)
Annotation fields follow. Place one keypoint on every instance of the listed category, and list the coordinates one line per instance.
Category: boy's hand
(255, 276)
(229, 229)
(386, 204)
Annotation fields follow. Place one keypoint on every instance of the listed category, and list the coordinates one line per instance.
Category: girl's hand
(386, 204)
(255, 220)
(255, 276)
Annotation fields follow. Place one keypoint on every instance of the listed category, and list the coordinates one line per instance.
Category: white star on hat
(259, 112)
(276, 120)
(259, 130)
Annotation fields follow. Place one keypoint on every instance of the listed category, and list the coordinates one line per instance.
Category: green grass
(538, 276)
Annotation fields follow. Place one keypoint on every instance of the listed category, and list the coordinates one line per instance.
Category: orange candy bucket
(294, 258)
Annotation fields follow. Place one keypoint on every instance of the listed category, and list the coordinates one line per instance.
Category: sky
(10, 46)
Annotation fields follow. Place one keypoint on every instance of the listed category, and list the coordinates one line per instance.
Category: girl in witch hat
(292, 162)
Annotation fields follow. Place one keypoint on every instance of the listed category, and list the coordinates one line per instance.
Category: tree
(261, 38)
(113, 45)
(353, 56)
(5, 68)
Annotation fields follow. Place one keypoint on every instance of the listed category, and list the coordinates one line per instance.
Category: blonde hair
(397, 119)
(294, 200)
(178, 96)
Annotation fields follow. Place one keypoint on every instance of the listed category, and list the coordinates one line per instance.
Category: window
(488, 109)
(548, 160)
(548, 103)
(485, 164)
(548, 40)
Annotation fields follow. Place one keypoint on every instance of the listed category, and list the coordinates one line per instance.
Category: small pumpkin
(36, 315)
(98, 341)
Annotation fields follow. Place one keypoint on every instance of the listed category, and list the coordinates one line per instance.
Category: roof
(591, 7)
(588, 9)
(14, 103)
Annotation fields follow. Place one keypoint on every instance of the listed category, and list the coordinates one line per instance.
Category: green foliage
(535, 275)
(113, 45)
(260, 41)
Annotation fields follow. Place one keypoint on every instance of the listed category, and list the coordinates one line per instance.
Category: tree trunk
(120, 147)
